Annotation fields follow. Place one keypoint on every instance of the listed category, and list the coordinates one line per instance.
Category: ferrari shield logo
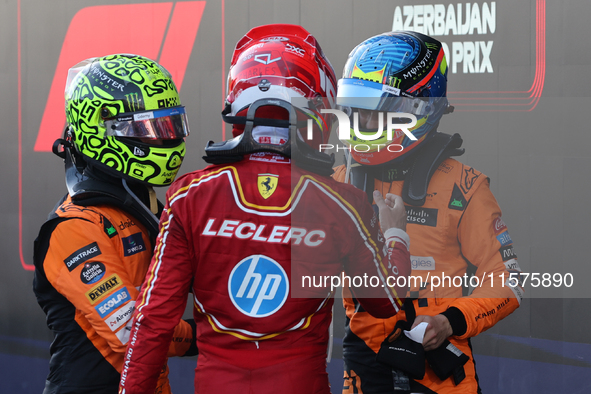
(267, 184)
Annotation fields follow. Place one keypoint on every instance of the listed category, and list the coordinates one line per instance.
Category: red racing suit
(243, 237)
(459, 225)
(89, 264)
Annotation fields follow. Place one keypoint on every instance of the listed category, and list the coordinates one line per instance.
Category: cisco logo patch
(422, 216)
(258, 286)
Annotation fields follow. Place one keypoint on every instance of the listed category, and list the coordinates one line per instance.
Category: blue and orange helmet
(402, 72)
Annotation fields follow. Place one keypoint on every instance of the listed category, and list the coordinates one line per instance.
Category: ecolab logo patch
(100, 290)
(113, 302)
(82, 255)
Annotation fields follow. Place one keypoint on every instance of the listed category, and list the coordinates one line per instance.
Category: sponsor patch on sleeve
(119, 318)
(123, 334)
(499, 226)
(112, 302)
(103, 288)
(507, 253)
(512, 265)
(504, 238)
(81, 255)
(517, 290)
(133, 244)
(92, 272)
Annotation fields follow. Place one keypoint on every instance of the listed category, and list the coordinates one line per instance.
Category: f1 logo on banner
(168, 40)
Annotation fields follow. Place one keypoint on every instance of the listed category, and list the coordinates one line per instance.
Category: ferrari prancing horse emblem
(267, 184)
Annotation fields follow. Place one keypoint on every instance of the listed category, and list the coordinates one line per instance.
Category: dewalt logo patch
(103, 288)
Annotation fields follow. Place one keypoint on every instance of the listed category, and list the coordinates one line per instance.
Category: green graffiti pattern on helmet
(117, 84)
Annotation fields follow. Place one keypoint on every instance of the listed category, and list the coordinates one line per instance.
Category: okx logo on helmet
(397, 80)
(117, 107)
(280, 62)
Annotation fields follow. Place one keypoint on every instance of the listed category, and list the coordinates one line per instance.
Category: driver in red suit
(246, 233)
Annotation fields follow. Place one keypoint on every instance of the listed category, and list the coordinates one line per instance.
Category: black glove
(447, 360)
(402, 353)
(193, 350)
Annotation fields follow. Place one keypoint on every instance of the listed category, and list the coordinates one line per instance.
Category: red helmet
(282, 62)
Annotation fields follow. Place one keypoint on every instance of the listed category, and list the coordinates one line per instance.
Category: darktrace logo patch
(133, 244)
(82, 255)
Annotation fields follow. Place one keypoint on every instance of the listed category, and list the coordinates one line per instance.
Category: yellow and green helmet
(124, 116)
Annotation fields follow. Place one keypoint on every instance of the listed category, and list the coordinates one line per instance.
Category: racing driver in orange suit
(245, 232)
(125, 133)
(454, 221)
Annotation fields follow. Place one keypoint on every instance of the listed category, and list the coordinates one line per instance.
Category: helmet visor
(357, 93)
(165, 123)
(75, 70)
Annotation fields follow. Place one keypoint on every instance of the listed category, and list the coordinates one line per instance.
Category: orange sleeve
(181, 339)
(486, 243)
(84, 266)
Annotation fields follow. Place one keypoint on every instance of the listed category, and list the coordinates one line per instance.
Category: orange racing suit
(459, 225)
(89, 264)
